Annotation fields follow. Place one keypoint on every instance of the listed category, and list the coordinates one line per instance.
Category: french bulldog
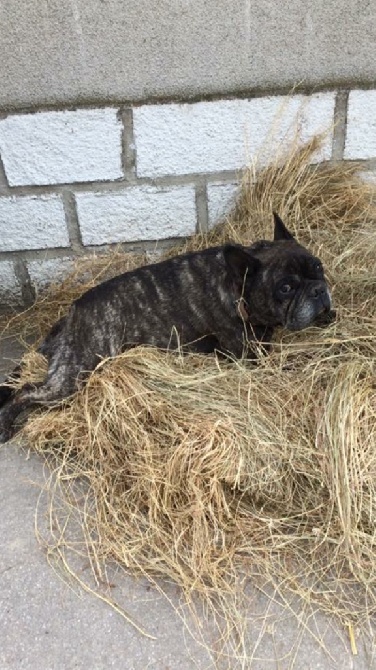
(224, 299)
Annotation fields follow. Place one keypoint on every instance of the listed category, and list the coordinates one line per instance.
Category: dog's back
(183, 298)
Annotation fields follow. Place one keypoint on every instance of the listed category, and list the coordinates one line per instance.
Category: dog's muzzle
(312, 304)
(320, 294)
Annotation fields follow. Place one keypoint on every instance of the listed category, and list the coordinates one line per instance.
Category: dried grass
(203, 471)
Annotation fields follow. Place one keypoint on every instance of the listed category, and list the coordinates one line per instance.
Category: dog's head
(280, 281)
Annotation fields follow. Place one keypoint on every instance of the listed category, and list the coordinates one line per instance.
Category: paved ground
(45, 625)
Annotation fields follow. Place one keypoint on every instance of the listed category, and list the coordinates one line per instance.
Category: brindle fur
(222, 298)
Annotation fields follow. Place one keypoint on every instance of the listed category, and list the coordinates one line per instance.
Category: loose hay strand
(205, 472)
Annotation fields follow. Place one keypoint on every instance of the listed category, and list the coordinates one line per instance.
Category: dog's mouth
(308, 314)
(325, 318)
(303, 320)
(314, 309)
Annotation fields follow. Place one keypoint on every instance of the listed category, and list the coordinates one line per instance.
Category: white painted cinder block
(227, 134)
(368, 176)
(48, 271)
(10, 288)
(32, 223)
(221, 199)
(136, 213)
(61, 147)
(361, 125)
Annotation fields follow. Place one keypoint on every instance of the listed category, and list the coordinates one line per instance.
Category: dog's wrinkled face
(282, 282)
(293, 287)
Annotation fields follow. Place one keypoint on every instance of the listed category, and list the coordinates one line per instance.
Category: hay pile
(202, 470)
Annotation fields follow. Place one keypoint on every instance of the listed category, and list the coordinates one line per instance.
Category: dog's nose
(318, 291)
(320, 294)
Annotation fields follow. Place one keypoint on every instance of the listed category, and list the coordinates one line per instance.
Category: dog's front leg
(246, 342)
(259, 337)
(233, 343)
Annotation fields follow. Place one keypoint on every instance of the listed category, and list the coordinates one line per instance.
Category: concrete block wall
(76, 180)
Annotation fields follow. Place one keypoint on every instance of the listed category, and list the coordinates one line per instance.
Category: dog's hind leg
(7, 392)
(55, 388)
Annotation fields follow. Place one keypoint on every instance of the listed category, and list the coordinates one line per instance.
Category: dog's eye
(318, 267)
(286, 288)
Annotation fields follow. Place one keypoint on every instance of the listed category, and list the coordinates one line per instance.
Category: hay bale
(199, 470)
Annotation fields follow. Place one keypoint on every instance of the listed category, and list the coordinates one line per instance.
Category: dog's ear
(280, 230)
(240, 263)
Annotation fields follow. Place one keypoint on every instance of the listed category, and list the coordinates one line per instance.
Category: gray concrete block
(226, 134)
(136, 213)
(92, 50)
(61, 147)
(32, 222)
(10, 288)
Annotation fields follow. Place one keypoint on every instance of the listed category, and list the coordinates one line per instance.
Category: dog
(224, 299)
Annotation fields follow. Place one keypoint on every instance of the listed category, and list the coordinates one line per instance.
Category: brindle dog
(220, 299)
